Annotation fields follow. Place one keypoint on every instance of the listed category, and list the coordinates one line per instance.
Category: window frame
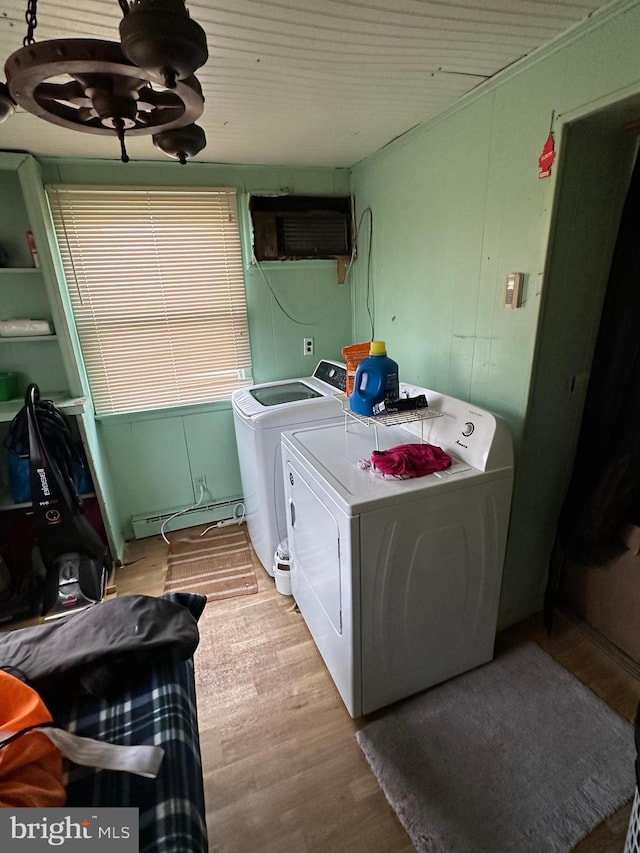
(189, 288)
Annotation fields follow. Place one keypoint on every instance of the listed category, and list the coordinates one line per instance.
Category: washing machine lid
(287, 392)
(328, 380)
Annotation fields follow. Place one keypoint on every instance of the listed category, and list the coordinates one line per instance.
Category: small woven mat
(217, 564)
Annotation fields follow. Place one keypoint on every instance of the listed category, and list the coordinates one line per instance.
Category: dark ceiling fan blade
(70, 91)
(157, 117)
(109, 82)
(86, 114)
(165, 98)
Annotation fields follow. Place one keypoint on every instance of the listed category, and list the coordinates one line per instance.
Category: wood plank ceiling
(308, 82)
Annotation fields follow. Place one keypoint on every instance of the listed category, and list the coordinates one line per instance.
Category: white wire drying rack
(387, 420)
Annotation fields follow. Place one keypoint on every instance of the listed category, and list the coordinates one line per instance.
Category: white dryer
(260, 414)
(399, 580)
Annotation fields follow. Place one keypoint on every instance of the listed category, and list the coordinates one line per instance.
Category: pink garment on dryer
(410, 460)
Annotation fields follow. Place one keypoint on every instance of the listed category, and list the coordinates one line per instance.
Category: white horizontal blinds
(155, 281)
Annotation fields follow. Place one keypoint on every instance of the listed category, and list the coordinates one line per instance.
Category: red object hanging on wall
(545, 161)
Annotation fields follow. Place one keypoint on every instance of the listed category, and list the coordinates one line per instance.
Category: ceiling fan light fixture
(159, 36)
(7, 104)
(181, 143)
(106, 92)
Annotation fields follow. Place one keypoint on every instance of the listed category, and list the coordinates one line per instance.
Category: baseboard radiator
(210, 513)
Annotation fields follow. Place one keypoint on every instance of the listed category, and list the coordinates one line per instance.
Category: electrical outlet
(307, 346)
(200, 482)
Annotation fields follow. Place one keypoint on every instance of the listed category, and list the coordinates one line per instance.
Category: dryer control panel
(473, 435)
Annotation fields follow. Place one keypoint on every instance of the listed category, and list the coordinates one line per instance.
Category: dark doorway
(604, 493)
(595, 566)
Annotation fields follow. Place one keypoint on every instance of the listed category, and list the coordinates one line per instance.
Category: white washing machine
(260, 414)
(399, 580)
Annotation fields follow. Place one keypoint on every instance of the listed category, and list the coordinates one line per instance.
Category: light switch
(513, 290)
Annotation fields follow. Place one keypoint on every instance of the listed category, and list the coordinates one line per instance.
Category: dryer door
(322, 584)
(314, 541)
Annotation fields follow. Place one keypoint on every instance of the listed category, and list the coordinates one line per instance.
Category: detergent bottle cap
(378, 348)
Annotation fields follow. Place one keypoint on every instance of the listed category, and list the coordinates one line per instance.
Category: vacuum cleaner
(70, 561)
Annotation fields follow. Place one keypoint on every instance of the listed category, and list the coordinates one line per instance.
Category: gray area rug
(516, 755)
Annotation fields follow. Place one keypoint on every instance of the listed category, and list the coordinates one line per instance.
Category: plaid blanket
(161, 711)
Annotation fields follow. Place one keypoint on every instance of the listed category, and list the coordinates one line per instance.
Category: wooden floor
(282, 770)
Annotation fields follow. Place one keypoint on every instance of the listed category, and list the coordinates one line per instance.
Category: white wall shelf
(32, 339)
(68, 405)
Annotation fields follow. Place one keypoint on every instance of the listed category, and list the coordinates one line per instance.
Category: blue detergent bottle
(376, 380)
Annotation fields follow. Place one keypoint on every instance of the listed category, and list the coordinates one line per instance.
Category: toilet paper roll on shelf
(24, 328)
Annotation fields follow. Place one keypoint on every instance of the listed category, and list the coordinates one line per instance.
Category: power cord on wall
(369, 301)
(226, 522)
(279, 304)
(181, 512)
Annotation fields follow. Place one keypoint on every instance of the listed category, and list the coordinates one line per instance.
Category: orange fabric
(30, 766)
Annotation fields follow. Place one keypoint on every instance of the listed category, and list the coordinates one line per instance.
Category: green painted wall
(155, 458)
(457, 204)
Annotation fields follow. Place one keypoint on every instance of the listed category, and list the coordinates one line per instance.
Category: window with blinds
(156, 286)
